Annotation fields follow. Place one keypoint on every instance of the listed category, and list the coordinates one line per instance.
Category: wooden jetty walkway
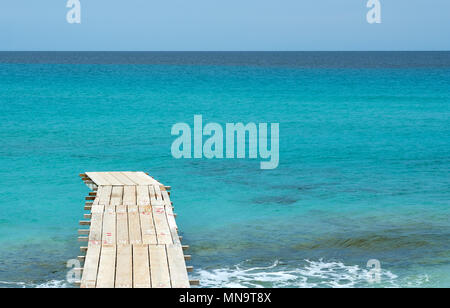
(132, 240)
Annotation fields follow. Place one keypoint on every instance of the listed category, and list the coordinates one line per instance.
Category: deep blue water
(363, 174)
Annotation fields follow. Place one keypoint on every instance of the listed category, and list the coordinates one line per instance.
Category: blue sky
(225, 25)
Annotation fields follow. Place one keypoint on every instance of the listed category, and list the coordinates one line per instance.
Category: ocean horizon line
(229, 51)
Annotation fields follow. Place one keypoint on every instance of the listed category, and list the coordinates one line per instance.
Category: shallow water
(364, 162)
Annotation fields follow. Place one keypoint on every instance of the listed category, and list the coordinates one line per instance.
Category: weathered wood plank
(90, 269)
(105, 195)
(124, 274)
(177, 267)
(97, 197)
(134, 226)
(129, 195)
(158, 193)
(107, 267)
(98, 178)
(148, 228)
(166, 197)
(140, 178)
(141, 267)
(145, 208)
(95, 234)
(159, 267)
(171, 218)
(143, 197)
(163, 233)
(97, 209)
(133, 177)
(111, 179)
(122, 225)
(120, 176)
(148, 178)
(116, 195)
(109, 228)
(154, 200)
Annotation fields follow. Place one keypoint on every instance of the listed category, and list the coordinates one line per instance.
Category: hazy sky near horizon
(139, 25)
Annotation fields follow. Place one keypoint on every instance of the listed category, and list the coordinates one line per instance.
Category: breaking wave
(312, 274)
(52, 284)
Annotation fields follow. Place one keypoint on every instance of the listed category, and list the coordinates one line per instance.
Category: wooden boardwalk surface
(132, 240)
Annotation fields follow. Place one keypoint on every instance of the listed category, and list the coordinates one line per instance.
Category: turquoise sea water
(363, 174)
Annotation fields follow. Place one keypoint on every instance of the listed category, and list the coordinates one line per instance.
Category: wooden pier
(132, 240)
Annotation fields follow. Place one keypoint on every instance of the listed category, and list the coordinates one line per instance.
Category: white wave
(309, 275)
(52, 284)
(14, 284)
(418, 281)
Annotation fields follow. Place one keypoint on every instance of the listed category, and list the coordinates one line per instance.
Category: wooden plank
(134, 226)
(116, 195)
(140, 178)
(129, 195)
(97, 197)
(171, 218)
(143, 197)
(158, 193)
(97, 209)
(124, 274)
(122, 178)
(145, 177)
(145, 208)
(95, 235)
(141, 267)
(105, 195)
(148, 228)
(162, 227)
(98, 178)
(111, 179)
(109, 228)
(131, 175)
(166, 197)
(152, 195)
(154, 200)
(107, 267)
(89, 278)
(122, 225)
(159, 267)
(177, 267)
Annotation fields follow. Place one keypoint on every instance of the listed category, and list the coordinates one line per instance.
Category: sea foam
(309, 274)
